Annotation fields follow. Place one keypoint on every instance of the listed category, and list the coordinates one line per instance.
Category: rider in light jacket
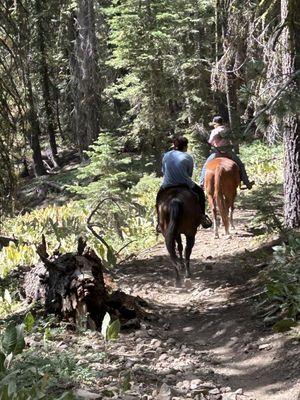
(220, 142)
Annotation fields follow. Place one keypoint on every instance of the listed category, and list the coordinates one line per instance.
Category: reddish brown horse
(222, 178)
(179, 213)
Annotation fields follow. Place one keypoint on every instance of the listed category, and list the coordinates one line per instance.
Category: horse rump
(221, 181)
(179, 213)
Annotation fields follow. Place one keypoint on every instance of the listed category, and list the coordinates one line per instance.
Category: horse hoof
(228, 237)
(216, 236)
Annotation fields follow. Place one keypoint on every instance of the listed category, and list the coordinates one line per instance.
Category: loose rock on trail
(204, 341)
(208, 342)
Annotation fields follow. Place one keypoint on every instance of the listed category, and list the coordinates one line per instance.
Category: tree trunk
(85, 77)
(290, 15)
(34, 134)
(45, 80)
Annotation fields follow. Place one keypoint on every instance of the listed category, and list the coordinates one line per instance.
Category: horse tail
(175, 210)
(219, 196)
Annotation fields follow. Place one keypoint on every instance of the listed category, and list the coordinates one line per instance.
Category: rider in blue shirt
(177, 168)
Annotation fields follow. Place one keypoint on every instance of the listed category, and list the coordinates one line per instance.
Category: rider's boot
(205, 221)
(248, 185)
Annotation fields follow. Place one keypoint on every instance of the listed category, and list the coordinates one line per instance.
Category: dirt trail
(213, 320)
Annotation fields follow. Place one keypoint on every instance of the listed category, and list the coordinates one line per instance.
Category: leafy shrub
(110, 171)
(264, 165)
(19, 382)
(60, 224)
(263, 162)
(7, 303)
(267, 201)
(283, 285)
(119, 222)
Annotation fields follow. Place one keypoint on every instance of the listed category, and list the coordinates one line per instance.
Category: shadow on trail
(221, 319)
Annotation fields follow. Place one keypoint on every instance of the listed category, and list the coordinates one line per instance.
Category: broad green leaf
(9, 339)
(105, 325)
(29, 322)
(113, 330)
(8, 360)
(284, 325)
(20, 345)
(47, 335)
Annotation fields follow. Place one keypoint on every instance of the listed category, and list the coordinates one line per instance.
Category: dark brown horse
(222, 178)
(179, 213)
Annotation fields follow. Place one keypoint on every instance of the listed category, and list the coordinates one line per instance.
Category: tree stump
(72, 286)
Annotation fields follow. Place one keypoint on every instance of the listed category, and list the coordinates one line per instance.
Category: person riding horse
(221, 145)
(177, 169)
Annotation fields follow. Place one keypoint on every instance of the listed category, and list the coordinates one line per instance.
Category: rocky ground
(203, 341)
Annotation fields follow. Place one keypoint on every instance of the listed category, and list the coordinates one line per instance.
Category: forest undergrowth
(128, 225)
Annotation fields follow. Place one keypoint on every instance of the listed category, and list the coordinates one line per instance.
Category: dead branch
(92, 225)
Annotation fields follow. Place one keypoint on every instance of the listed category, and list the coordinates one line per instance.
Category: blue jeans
(236, 159)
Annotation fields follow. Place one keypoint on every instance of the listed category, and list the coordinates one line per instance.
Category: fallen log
(73, 286)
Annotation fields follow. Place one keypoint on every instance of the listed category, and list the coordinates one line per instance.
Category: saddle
(222, 152)
(206, 222)
(182, 186)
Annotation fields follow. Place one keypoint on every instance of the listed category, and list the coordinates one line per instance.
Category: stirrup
(206, 222)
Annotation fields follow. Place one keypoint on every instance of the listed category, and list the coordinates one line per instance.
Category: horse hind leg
(223, 206)
(232, 210)
(175, 262)
(180, 250)
(190, 241)
(231, 218)
(213, 207)
(215, 219)
(226, 219)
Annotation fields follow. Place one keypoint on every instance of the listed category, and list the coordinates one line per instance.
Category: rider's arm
(190, 165)
(213, 136)
(163, 165)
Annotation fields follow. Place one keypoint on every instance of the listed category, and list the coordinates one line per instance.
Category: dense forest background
(91, 95)
(142, 71)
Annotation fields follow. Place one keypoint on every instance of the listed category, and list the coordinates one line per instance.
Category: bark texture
(290, 15)
(45, 79)
(34, 131)
(85, 77)
(73, 287)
